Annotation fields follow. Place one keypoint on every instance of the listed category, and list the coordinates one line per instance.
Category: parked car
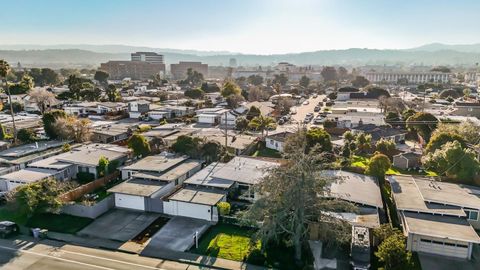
(319, 120)
(281, 121)
(320, 103)
(315, 95)
(306, 102)
(325, 99)
(8, 228)
(316, 109)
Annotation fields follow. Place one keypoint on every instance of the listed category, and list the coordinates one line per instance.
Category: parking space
(119, 225)
(176, 235)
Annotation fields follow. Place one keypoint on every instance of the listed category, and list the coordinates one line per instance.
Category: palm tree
(262, 123)
(4, 69)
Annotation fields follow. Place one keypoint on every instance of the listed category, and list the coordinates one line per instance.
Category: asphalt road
(52, 255)
(302, 110)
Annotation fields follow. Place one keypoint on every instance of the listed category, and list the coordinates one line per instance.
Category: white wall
(414, 243)
(272, 144)
(199, 211)
(207, 119)
(129, 201)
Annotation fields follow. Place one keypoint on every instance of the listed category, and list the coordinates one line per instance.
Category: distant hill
(433, 54)
(475, 48)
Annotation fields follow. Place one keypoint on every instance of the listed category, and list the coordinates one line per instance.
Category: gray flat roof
(449, 193)
(198, 196)
(408, 197)
(445, 227)
(180, 170)
(205, 177)
(353, 187)
(29, 175)
(245, 170)
(89, 156)
(138, 187)
(158, 163)
(27, 149)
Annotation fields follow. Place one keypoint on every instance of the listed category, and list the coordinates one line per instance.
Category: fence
(78, 192)
(89, 211)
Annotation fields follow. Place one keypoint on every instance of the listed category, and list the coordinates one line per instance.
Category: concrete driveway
(119, 225)
(437, 262)
(176, 235)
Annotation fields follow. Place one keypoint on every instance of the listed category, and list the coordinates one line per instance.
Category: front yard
(362, 162)
(235, 243)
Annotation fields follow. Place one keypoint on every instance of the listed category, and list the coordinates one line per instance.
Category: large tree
(253, 112)
(280, 79)
(292, 200)
(49, 118)
(262, 123)
(392, 252)
(360, 81)
(101, 76)
(318, 137)
(195, 93)
(439, 139)
(386, 147)
(329, 74)
(255, 79)
(4, 71)
(188, 145)
(230, 88)
(139, 144)
(304, 81)
(467, 130)
(112, 93)
(423, 123)
(73, 128)
(378, 165)
(43, 98)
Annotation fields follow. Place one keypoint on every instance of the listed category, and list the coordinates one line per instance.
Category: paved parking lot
(176, 235)
(119, 225)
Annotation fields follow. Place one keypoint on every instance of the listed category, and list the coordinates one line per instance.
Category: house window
(271, 141)
(471, 215)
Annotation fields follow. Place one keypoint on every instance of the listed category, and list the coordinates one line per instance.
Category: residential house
(20, 156)
(111, 133)
(466, 109)
(81, 108)
(210, 116)
(409, 160)
(168, 112)
(138, 108)
(379, 132)
(10, 181)
(437, 217)
(276, 141)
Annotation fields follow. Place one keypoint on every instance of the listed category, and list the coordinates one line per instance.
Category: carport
(119, 225)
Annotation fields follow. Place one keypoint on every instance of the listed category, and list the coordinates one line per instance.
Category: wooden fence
(78, 192)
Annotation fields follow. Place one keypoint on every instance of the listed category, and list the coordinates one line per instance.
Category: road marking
(56, 258)
(85, 255)
(112, 260)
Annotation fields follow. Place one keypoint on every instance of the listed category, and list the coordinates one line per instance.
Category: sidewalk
(183, 257)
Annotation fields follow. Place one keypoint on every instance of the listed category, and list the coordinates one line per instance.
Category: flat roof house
(10, 181)
(437, 217)
(276, 141)
(151, 179)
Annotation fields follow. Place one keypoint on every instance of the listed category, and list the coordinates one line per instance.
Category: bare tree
(72, 128)
(43, 98)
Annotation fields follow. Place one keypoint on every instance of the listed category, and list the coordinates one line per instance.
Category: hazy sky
(247, 26)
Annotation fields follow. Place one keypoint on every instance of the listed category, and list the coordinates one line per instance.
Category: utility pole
(11, 112)
(226, 131)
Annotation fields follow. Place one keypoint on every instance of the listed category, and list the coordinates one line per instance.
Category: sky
(245, 26)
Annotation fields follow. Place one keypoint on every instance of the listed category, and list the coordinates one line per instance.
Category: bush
(85, 177)
(223, 208)
(256, 257)
(26, 135)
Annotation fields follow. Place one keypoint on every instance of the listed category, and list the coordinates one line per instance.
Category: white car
(306, 102)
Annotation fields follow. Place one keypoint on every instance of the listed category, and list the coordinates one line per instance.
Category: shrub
(223, 208)
(85, 177)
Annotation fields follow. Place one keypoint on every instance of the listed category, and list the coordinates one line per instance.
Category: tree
(194, 78)
(262, 123)
(392, 117)
(407, 113)
(139, 144)
(360, 82)
(253, 112)
(195, 93)
(453, 161)
(342, 73)
(449, 93)
(392, 252)
(101, 76)
(38, 197)
(348, 136)
(467, 130)
(377, 92)
(49, 118)
(210, 87)
(256, 94)
(467, 92)
(4, 70)
(102, 168)
(2, 132)
(22, 87)
(384, 231)
(230, 88)
(439, 139)
(280, 79)
(329, 123)
(304, 81)
(233, 101)
(211, 151)
(329, 74)
(290, 201)
(443, 69)
(364, 143)
(255, 79)
(17, 107)
(187, 145)
(386, 147)
(378, 165)
(90, 93)
(43, 98)
(241, 123)
(112, 93)
(26, 135)
(73, 128)
(423, 123)
(44, 76)
(317, 137)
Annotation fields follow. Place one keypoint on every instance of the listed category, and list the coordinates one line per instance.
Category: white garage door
(129, 202)
(194, 210)
(443, 248)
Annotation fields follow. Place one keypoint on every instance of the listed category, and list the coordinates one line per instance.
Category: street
(297, 119)
(52, 255)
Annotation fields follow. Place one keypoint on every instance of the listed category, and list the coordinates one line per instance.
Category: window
(471, 215)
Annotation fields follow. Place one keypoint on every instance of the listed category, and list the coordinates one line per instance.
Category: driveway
(437, 262)
(176, 235)
(119, 225)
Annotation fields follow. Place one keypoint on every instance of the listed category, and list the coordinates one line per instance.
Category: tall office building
(149, 57)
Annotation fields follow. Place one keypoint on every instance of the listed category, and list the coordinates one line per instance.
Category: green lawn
(10, 215)
(235, 243)
(358, 161)
(362, 162)
(267, 152)
(58, 222)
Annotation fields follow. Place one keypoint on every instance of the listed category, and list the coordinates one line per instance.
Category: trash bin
(43, 233)
(36, 233)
